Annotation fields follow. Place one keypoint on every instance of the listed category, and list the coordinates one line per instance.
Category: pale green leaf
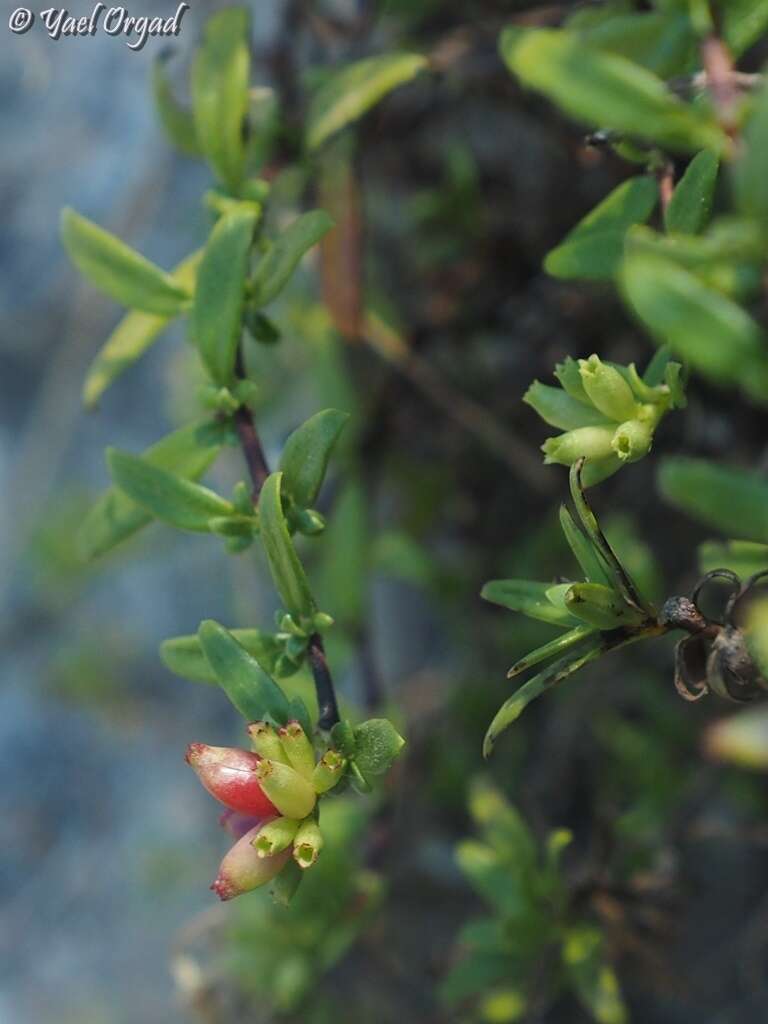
(351, 92)
(165, 495)
(220, 80)
(115, 516)
(216, 321)
(119, 271)
(135, 333)
(305, 456)
(287, 571)
(276, 266)
(606, 90)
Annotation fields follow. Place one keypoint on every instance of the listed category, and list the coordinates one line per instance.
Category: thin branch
(328, 709)
(258, 470)
(252, 450)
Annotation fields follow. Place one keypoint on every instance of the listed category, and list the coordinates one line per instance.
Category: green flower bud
(289, 791)
(298, 749)
(295, 646)
(275, 836)
(328, 771)
(632, 440)
(241, 498)
(233, 526)
(322, 621)
(608, 391)
(307, 844)
(590, 442)
(266, 742)
(307, 521)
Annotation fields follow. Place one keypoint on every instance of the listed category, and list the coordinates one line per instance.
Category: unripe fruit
(632, 440)
(266, 742)
(307, 844)
(298, 749)
(589, 442)
(231, 775)
(328, 771)
(243, 870)
(291, 793)
(275, 836)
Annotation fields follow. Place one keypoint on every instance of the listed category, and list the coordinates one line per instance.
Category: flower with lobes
(271, 793)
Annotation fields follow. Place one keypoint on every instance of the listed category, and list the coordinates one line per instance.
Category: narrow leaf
(119, 271)
(606, 90)
(115, 516)
(167, 496)
(594, 248)
(620, 579)
(184, 656)
(751, 169)
(514, 706)
(220, 77)
(559, 645)
(306, 453)
(254, 693)
(135, 333)
(276, 266)
(216, 322)
(529, 598)
(287, 571)
(349, 93)
(734, 501)
(583, 551)
(178, 123)
(691, 204)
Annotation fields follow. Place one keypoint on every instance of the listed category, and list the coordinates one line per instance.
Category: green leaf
(559, 645)
(593, 980)
(600, 606)
(167, 496)
(751, 169)
(276, 266)
(216, 322)
(119, 271)
(582, 549)
(663, 43)
(287, 571)
(529, 598)
(744, 22)
(560, 410)
(306, 453)
(178, 123)
(351, 92)
(606, 90)
(220, 79)
(115, 516)
(184, 656)
(254, 693)
(744, 557)
(703, 327)
(560, 670)
(691, 204)
(135, 333)
(594, 248)
(377, 744)
(734, 501)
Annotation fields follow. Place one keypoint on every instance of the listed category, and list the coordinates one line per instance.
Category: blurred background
(459, 183)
